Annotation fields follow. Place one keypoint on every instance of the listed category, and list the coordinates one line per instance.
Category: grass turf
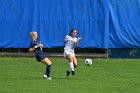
(25, 75)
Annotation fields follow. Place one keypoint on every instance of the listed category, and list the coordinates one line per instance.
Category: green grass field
(25, 75)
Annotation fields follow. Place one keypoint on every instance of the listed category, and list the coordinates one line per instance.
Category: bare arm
(65, 41)
(32, 49)
(76, 43)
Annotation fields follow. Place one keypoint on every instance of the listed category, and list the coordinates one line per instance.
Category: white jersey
(69, 46)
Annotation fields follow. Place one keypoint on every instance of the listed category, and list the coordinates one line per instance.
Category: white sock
(71, 66)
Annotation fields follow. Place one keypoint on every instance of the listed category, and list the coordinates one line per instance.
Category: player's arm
(32, 49)
(76, 43)
(65, 41)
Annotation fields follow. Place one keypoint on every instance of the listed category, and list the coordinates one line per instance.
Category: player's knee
(70, 59)
(47, 62)
(50, 63)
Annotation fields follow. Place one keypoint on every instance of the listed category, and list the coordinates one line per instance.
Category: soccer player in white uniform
(70, 43)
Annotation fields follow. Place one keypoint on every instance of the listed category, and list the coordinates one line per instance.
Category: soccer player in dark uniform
(36, 46)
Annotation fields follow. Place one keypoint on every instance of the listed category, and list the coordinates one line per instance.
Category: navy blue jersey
(38, 51)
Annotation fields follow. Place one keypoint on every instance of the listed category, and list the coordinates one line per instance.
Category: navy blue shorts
(39, 58)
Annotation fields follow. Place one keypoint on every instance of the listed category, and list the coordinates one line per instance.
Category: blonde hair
(32, 34)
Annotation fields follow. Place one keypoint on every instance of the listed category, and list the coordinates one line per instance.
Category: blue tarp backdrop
(100, 23)
(124, 29)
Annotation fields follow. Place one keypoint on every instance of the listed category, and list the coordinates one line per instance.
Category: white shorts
(69, 52)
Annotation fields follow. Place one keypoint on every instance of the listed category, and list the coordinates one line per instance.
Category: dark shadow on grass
(33, 78)
(22, 78)
(61, 78)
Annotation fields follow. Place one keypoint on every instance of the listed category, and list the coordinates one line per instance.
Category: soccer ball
(88, 62)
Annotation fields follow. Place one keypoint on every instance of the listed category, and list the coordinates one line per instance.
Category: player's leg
(70, 59)
(46, 61)
(48, 68)
(71, 66)
(75, 61)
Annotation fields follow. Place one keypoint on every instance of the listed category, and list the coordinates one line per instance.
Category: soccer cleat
(67, 74)
(45, 76)
(49, 78)
(73, 73)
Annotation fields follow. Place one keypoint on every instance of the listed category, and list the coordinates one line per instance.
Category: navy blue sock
(48, 70)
